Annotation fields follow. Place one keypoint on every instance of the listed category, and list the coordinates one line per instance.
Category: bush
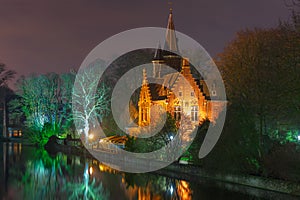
(40, 138)
(283, 162)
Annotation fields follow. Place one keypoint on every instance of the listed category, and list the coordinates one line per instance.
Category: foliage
(285, 136)
(45, 100)
(155, 142)
(260, 69)
(41, 138)
(5, 92)
(237, 150)
(110, 126)
(5, 75)
(191, 154)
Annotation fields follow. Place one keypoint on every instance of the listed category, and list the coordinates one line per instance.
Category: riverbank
(189, 172)
(14, 139)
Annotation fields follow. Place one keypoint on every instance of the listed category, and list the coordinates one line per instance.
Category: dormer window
(214, 92)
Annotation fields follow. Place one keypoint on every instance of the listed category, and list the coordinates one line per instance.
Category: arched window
(144, 114)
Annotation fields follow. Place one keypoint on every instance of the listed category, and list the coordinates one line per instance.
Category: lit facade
(178, 93)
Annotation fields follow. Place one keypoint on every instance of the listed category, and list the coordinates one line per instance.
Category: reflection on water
(31, 173)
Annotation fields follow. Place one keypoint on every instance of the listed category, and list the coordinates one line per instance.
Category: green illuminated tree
(45, 101)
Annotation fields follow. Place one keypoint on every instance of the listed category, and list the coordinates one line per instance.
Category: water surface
(32, 173)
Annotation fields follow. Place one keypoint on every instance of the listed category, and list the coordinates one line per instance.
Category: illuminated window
(186, 104)
(177, 113)
(194, 113)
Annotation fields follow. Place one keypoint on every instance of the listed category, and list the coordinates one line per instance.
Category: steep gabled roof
(170, 79)
(154, 90)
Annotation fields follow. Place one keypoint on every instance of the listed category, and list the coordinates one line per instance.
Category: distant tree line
(5, 93)
(260, 69)
(46, 103)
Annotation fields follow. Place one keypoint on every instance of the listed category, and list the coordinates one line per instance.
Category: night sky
(55, 35)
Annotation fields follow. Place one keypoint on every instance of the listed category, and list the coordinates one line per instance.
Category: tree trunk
(4, 119)
(86, 132)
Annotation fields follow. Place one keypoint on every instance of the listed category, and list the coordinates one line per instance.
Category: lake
(31, 173)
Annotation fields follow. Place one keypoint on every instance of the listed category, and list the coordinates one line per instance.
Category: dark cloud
(44, 36)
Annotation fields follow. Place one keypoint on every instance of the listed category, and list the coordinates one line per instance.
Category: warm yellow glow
(184, 184)
(184, 191)
(91, 170)
(91, 136)
(101, 168)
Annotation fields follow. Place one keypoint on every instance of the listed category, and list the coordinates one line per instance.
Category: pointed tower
(157, 62)
(171, 57)
(171, 40)
(144, 102)
(185, 69)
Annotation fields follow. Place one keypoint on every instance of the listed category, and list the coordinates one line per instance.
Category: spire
(171, 40)
(145, 81)
(144, 102)
(158, 53)
(157, 61)
(185, 70)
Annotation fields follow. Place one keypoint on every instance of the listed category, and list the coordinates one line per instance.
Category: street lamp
(91, 136)
(171, 189)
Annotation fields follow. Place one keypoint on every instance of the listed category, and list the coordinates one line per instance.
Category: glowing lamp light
(91, 136)
(171, 137)
(171, 189)
(91, 170)
(101, 168)
(298, 137)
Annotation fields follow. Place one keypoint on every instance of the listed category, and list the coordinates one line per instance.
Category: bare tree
(90, 99)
